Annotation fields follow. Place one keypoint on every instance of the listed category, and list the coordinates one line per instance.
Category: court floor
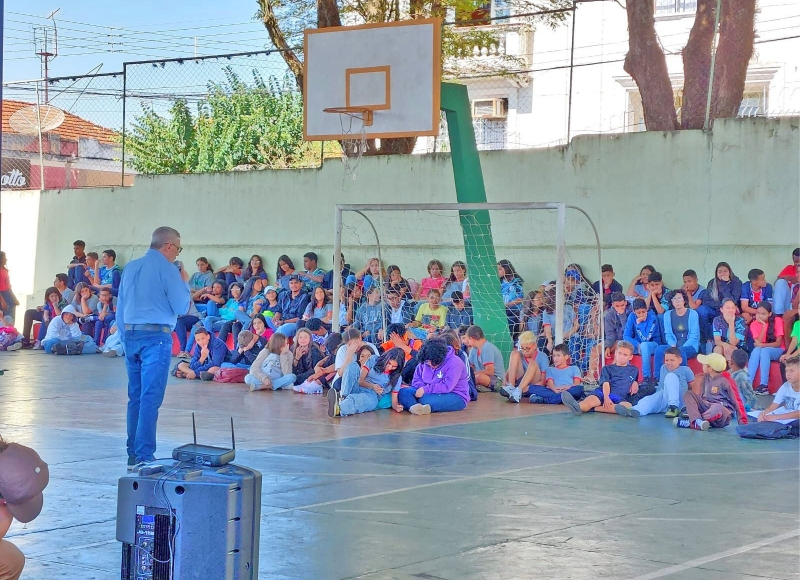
(499, 491)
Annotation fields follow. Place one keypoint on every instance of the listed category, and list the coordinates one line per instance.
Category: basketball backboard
(388, 74)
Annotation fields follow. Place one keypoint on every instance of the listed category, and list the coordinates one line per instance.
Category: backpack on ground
(229, 375)
(769, 430)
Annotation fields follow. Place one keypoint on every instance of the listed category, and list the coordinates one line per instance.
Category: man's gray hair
(163, 236)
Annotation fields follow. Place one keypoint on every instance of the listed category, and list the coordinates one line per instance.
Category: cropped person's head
(277, 342)
(109, 257)
(623, 353)
(166, 240)
(607, 274)
(757, 278)
(310, 260)
(679, 298)
(673, 358)
(739, 359)
(433, 353)
(618, 302)
(561, 356)
(351, 334)
(434, 297)
(396, 328)
(202, 265)
(78, 247)
(105, 295)
(295, 284)
(435, 268)
(655, 282)
(61, 280)
(202, 337)
(792, 370)
(690, 280)
(640, 309)
(475, 335)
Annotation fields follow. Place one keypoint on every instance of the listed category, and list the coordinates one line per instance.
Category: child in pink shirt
(435, 281)
(767, 331)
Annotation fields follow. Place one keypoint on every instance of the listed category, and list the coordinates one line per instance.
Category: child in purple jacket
(440, 384)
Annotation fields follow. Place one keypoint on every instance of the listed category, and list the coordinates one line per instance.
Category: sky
(108, 33)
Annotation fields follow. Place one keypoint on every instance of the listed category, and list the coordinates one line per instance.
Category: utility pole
(45, 40)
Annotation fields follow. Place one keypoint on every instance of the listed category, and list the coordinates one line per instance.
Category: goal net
(508, 264)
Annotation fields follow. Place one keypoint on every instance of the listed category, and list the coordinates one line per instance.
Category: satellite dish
(26, 121)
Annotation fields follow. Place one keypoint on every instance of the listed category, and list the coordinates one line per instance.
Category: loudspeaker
(180, 521)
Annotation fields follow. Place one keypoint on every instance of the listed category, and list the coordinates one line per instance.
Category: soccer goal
(526, 242)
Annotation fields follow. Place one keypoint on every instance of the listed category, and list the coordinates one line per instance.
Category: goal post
(531, 233)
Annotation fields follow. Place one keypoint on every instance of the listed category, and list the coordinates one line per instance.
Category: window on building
(481, 10)
(754, 101)
(675, 6)
(490, 134)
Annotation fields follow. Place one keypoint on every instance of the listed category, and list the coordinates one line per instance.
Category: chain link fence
(244, 111)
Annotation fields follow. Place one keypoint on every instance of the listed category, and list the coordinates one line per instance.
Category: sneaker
(686, 423)
(482, 389)
(131, 460)
(110, 353)
(206, 376)
(537, 400)
(60, 349)
(701, 425)
(420, 409)
(622, 410)
(515, 395)
(505, 391)
(37, 345)
(333, 403)
(762, 390)
(15, 346)
(672, 412)
(570, 402)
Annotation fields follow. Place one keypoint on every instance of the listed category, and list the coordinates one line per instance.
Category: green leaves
(238, 125)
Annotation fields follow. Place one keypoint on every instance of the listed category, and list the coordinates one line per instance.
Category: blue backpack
(769, 430)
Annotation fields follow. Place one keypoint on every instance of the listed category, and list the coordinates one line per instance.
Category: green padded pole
(476, 226)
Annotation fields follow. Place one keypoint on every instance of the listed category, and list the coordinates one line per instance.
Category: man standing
(153, 293)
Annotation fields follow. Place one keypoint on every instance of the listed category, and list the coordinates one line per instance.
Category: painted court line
(370, 512)
(423, 486)
(718, 556)
(675, 520)
(628, 475)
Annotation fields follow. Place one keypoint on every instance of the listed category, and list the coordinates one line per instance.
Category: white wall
(676, 200)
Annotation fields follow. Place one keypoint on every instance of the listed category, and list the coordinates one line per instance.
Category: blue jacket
(218, 354)
(647, 331)
(693, 337)
(293, 307)
(614, 325)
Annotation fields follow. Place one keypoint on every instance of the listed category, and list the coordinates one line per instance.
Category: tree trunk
(646, 63)
(277, 37)
(328, 14)
(736, 37)
(697, 66)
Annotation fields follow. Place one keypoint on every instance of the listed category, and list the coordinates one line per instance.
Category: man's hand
(184, 273)
(419, 393)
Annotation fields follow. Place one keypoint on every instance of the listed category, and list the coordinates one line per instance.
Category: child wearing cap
(718, 398)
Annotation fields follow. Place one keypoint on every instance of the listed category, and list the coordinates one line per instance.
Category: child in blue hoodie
(643, 332)
(440, 384)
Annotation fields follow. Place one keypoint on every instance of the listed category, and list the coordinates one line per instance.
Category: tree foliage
(239, 124)
(647, 64)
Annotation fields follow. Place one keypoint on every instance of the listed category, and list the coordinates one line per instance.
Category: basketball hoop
(354, 122)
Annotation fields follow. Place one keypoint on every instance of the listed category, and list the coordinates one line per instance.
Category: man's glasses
(179, 248)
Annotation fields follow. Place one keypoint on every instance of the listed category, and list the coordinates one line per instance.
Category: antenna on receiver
(194, 431)
(233, 437)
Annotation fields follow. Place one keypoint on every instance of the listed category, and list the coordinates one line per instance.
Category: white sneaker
(15, 346)
(37, 345)
(420, 409)
(514, 394)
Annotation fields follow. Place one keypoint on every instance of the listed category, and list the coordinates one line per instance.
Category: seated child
(459, 313)
(272, 368)
(643, 333)
(766, 330)
(673, 381)
(440, 384)
(486, 361)
(10, 339)
(259, 327)
(249, 345)
(560, 378)
(741, 377)
(618, 383)
(305, 355)
(64, 335)
(319, 333)
(755, 291)
(369, 316)
(785, 408)
(114, 345)
(106, 314)
(208, 355)
(526, 367)
(718, 400)
(221, 320)
(324, 371)
(431, 316)
(364, 386)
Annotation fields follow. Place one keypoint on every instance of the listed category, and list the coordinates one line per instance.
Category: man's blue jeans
(147, 359)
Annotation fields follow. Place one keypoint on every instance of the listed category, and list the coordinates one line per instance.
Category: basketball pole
(476, 226)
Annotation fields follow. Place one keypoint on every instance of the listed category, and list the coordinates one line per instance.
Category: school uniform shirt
(619, 378)
(310, 284)
(789, 401)
(68, 295)
(341, 354)
(684, 375)
(487, 354)
(563, 377)
(111, 275)
(369, 318)
(457, 318)
(535, 324)
(429, 317)
(755, 297)
(549, 319)
(200, 280)
(541, 361)
(91, 302)
(646, 331)
(720, 328)
(379, 378)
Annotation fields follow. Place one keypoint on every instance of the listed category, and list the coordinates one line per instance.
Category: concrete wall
(679, 200)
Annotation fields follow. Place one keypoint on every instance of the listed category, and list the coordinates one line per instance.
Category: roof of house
(72, 128)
